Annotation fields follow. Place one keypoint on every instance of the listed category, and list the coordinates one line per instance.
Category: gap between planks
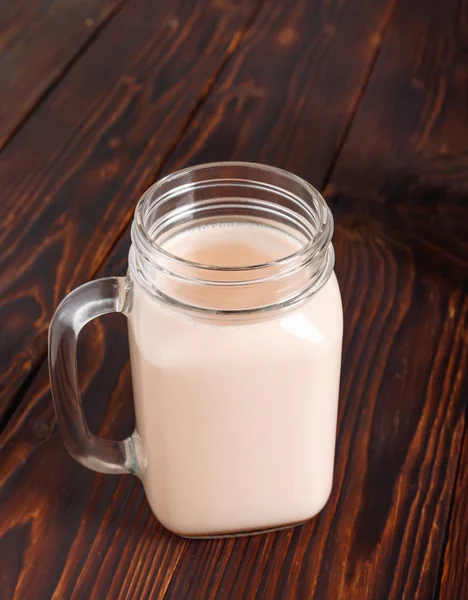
(56, 82)
(360, 93)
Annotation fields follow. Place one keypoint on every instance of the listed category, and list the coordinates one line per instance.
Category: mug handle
(83, 304)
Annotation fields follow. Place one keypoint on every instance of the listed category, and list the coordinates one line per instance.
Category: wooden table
(367, 99)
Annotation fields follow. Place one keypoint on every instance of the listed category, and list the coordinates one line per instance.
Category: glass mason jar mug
(235, 327)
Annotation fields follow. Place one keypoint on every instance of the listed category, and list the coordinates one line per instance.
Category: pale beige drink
(235, 326)
(237, 419)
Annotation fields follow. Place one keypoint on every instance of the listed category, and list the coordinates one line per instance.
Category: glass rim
(312, 246)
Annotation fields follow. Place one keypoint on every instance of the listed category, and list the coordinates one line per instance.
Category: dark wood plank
(403, 171)
(79, 535)
(98, 525)
(405, 161)
(454, 581)
(399, 426)
(292, 87)
(71, 177)
(381, 533)
(401, 178)
(38, 41)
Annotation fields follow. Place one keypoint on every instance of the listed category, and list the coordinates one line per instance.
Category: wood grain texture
(405, 161)
(291, 88)
(38, 40)
(381, 533)
(454, 581)
(71, 177)
(403, 171)
(378, 537)
(68, 533)
(99, 525)
(79, 535)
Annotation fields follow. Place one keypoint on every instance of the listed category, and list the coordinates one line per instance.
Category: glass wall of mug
(235, 327)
